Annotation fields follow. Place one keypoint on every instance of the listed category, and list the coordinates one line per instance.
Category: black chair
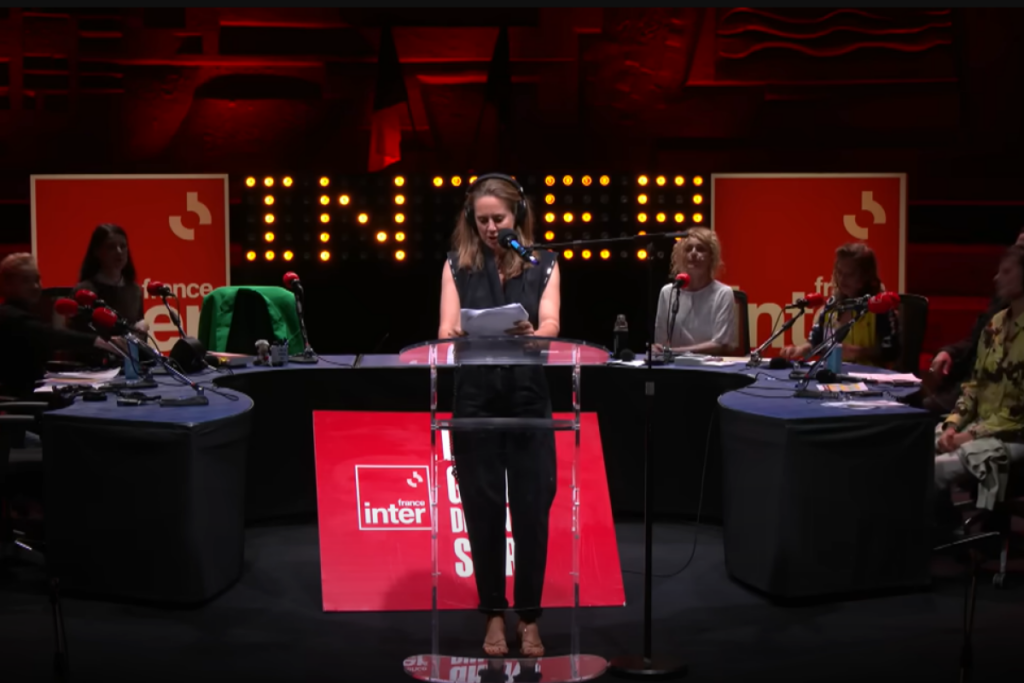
(913, 315)
(742, 323)
(15, 417)
(1000, 519)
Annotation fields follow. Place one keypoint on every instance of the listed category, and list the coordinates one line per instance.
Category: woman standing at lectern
(479, 273)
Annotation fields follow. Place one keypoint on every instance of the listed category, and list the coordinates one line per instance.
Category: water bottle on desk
(834, 361)
(131, 367)
(620, 336)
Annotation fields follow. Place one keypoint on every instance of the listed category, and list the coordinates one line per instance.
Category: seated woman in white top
(700, 318)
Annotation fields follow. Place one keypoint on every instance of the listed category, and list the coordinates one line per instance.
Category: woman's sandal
(494, 644)
(529, 645)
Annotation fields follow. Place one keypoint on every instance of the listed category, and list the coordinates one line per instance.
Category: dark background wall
(251, 91)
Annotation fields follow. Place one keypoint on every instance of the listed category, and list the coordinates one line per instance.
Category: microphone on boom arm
(308, 355)
(188, 352)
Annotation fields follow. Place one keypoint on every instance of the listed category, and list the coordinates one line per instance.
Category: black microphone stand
(308, 355)
(675, 312)
(198, 400)
(643, 666)
(175, 318)
(188, 351)
(755, 356)
(823, 350)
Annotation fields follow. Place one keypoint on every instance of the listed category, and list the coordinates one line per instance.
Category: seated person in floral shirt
(984, 435)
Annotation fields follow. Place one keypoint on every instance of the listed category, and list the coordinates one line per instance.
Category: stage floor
(270, 627)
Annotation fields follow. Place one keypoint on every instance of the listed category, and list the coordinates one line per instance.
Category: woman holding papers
(481, 274)
(698, 317)
(874, 339)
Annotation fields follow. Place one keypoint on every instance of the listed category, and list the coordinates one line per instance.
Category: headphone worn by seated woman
(520, 205)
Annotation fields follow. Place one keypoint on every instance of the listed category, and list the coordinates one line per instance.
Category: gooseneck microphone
(308, 355)
(157, 288)
(509, 240)
(801, 305)
(188, 352)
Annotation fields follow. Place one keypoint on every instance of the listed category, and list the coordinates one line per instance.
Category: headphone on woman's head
(520, 205)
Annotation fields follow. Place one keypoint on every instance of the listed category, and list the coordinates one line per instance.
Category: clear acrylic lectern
(515, 362)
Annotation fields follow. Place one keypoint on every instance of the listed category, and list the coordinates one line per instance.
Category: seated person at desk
(25, 341)
(952, 365)
(700, 318)
(874, 339)
(108, 270)
(984, 435)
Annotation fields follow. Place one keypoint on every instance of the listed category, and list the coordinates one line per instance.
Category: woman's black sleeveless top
(482, 288)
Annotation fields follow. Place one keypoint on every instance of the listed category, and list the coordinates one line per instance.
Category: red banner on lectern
(779, 233)
(373, 482)
(177, 228)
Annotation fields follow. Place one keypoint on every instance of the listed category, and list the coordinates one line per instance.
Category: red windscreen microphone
(107, 319)
(879, 303)
(682, 281)
(85, 297)
(157, 288)
(884, 302)
(291, 281)
(809, 301)
(66, 307)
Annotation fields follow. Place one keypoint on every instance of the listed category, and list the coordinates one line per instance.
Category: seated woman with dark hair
(108, 270)
(874, 339)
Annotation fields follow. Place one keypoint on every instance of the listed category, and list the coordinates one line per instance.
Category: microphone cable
(700, 506)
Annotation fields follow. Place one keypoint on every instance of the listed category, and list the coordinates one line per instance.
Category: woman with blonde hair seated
(700, 317)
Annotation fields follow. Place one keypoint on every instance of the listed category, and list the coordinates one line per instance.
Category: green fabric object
(219, 305)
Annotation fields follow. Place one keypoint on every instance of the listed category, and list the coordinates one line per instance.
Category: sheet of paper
(843, 388)
(85, 375)
(862, 405)
(491, 322)
(886, 377)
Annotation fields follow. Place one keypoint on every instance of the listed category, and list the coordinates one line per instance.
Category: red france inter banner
(779, 233)
(373, 480)
(177, 228)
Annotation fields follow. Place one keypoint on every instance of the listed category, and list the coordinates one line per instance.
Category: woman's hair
(466, 238)
(1015, 253)
(710, 241)
(91, 263)
(864, 261)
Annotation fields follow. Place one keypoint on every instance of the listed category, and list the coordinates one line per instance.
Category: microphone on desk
(157, 288)
(106, 318)
(508, 239)
(188, 352)
(308, 355)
